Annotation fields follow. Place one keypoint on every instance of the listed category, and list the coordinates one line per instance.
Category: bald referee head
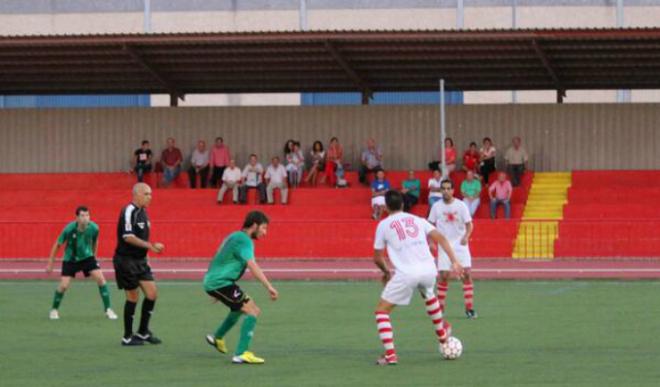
(141, 195)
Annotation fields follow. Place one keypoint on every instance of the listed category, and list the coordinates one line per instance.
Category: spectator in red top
(471, 159)
(500, 193)
(450, 155)
(333, 157)
(220, 157)
(170, 160)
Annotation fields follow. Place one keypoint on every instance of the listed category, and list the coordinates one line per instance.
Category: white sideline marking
(326, 270)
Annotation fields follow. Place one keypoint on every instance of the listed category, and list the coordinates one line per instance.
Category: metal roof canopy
(331, 61)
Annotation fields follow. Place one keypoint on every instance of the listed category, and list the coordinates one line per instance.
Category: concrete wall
(559, 137)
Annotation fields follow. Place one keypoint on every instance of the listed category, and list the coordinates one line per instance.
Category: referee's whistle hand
(157, 247)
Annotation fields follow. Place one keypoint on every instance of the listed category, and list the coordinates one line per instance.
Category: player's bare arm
(259, 274)
(446, 247)
(51, 257)
(379, 260)
(156, 247)
(468, 232)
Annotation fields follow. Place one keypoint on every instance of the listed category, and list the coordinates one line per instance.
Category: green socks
(103, 290)
(247, 331)
(105, 295)
(230, 321)
(57, 299)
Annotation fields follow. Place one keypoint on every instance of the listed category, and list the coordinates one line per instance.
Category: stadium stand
(318, 222)
(611, 214)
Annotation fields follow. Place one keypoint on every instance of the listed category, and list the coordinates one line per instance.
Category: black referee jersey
(132, 221)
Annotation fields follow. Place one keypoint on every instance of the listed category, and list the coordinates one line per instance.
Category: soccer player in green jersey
(235, 255)
(81, 239)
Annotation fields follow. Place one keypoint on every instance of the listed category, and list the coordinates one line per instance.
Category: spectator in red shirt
(500, 193)
(333, 157)
(450, 155)
(170, 160)
(471, 159)
(220, 157)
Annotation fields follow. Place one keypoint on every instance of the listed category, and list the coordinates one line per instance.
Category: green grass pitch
(560, 333)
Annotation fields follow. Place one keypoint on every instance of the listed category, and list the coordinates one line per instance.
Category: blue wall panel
(68, 101)
(382, 98)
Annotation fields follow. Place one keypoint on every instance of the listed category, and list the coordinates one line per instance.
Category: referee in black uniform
(131, 268)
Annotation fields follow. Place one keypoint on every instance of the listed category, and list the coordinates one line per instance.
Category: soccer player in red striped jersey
(405, 238)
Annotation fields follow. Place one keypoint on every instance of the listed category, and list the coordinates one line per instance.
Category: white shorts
(462, 255)
(378, 201)
(400, 288)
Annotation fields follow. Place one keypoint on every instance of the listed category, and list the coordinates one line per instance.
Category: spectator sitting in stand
(318, 162)
(516, 161)
(231, 179)
(471, 191)
(378, 189)
(142, 160)
(435, 188)
(487, 159)
(199, 165)
(410, 188)
(252, 178)
(450, 157)
(333, 157)
(276, 179)
(171, 159)
(371, 160)
(500, 193)
(471, 159)
(295, 166)
(220, 157)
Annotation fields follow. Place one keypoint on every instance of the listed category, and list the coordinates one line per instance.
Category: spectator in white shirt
(435, 187)
(371, 160)
(276, 179)
(231, 179)
(199, 165)
(516, 161)
(295, 164)
(252, 178)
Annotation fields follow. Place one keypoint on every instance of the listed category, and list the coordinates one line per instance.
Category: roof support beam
(359, 82)
(174, 93)
(561, 91)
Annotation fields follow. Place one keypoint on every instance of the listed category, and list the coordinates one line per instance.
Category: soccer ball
(451, 349)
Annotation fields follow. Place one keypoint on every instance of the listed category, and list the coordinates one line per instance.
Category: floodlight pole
(302, 15)
(622, 95)
(147, 17)
(443, 132)
(514, 25)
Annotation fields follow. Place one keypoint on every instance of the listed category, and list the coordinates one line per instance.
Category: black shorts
(130, 271)
(232, 296)
(87, 265)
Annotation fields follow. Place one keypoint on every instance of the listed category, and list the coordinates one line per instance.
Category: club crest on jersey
(451, 216)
